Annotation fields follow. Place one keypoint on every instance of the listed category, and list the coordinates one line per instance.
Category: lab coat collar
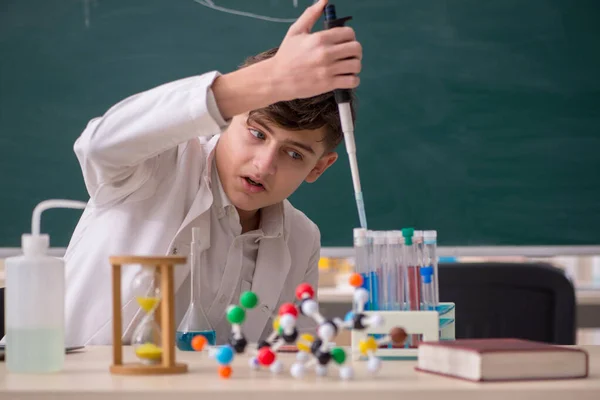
(271, 221)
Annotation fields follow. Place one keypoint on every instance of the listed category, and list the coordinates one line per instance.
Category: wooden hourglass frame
(165, 316)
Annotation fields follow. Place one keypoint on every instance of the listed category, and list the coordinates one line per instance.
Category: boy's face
(261, 164)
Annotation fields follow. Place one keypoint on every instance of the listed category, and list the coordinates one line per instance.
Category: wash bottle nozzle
(35, 242)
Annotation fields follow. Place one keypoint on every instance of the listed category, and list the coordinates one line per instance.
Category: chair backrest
(493, 300)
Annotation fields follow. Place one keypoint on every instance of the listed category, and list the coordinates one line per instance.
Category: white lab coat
(145, 169)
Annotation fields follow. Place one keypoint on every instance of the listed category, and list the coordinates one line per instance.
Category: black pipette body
(331, 21)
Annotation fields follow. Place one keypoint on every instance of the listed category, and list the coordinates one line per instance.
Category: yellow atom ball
(364, 346)
(303, 347)
(307, 337)
(371, 343)
(305, 341)
(276, 324)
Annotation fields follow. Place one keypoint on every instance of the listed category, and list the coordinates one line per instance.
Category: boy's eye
(295, 155)
(257, 134)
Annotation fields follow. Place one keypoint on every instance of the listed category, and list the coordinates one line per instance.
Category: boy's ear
(324, 162)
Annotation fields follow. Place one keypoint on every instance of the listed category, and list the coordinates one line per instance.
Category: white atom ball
(297, 370)
(276, 367)
(361, 296)
(310, 307)
(302, 356)
(287, 322)
(373, 365)
(321, 370)
(326, 331)
(346, 373)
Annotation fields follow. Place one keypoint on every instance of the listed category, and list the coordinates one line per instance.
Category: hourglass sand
(154, 338)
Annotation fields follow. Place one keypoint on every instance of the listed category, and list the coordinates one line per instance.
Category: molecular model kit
(313, 353)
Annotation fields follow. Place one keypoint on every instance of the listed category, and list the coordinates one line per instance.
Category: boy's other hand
(308, 64)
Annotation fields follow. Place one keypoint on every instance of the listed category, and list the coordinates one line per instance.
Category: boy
(151, 179)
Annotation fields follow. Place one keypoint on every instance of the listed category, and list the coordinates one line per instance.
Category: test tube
(414, 280)
(379, 263)
(361, 255)
(419, 262)
(402, 273)
(390, 273)
(430, 259)
(392, 277)
(418, 241)
(427, 288)
(412, 270)
(373, 282)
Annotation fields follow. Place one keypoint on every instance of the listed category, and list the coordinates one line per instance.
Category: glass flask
(195, 322)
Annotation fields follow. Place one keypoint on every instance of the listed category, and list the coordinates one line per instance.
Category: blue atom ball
(224, 355)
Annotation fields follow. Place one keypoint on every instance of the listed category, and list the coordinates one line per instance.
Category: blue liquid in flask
(184, 339)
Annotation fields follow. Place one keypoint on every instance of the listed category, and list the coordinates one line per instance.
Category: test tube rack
(165, 316)
(433, 325)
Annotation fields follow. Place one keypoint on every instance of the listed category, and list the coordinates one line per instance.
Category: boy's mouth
(253, 183)
(250, 181)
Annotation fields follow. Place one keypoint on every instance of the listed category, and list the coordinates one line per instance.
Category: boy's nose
(266, 163)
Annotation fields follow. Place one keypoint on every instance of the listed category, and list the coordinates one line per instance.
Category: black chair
(502, 300)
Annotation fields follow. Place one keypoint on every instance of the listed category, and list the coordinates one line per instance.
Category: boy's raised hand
(308, 64)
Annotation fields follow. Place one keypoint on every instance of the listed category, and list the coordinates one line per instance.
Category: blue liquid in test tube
(361, 261)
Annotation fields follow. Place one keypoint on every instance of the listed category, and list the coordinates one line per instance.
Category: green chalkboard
(477, 118)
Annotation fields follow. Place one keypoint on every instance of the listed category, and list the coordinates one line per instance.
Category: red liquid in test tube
(414, 292)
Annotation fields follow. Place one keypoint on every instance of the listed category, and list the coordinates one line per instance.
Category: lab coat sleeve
(121, 151)
(305, 324)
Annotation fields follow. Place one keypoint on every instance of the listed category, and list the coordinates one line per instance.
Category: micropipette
(342, 98)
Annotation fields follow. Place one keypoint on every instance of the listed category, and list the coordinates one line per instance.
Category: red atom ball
(265, 356)
(288, 308)
(304, 289)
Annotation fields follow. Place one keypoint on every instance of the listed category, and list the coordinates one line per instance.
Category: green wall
(477, 118)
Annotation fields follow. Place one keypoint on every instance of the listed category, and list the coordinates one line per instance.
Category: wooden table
(86, 377)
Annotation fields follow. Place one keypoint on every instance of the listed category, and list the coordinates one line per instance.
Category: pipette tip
(362, 215)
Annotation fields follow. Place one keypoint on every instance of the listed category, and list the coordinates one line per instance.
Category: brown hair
(300, 114)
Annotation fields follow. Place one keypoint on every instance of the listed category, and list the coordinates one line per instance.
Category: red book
(501, 360)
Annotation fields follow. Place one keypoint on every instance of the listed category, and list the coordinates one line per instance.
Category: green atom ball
(338, 354)
(248, 299)
(236, 315)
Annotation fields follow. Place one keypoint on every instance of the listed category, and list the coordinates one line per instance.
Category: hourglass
(153, 339)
